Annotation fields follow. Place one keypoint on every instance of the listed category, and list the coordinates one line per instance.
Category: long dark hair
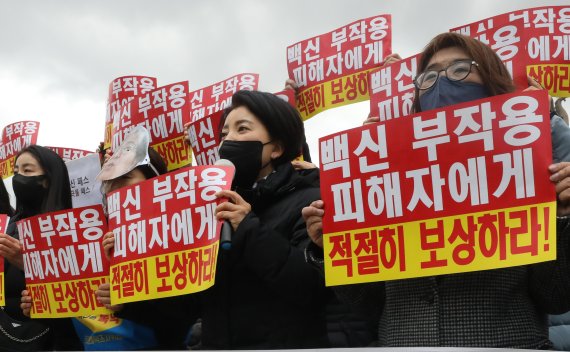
(58, 195)
(5, 207)
(493, 72)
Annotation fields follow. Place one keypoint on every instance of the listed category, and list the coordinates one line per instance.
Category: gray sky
(57, 58)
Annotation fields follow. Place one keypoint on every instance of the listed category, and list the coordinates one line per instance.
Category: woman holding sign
(265, 295)
(41, 185)
(493, 308)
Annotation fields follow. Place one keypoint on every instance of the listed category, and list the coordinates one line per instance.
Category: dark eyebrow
(239, 122)
(446, 64)
(24, 165)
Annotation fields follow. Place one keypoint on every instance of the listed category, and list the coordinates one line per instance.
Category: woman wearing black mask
(265, 296)
(41, 185)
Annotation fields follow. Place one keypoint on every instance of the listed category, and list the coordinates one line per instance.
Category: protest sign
(391, 88)
(68, 154)
(3, 225)
(457, 189)
(207, 106)
(532, 41)
(64, 261)
(166, 234)
(162, 111)
(331, 69)
(121, 91)
(85, 188)
(15, 137)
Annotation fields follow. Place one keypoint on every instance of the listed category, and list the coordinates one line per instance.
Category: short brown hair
(493, 72)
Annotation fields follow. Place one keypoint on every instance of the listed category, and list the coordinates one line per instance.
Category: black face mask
(246, 157)
(29, 190)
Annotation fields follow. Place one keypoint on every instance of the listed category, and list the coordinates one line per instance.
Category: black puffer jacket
(266, 296)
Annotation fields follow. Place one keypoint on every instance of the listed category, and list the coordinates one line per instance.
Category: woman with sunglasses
(493, 308)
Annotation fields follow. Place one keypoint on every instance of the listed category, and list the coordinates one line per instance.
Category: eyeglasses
(457, 71)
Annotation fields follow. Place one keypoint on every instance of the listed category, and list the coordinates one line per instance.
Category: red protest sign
(204, 138)
(64, 261)
(531, 41)
(207, 106)
(15, 137)
(166, 234)
(408, 186)
(68, 154)
(506, 38)
(391, 88)
(211, 99)
(121, 91)
(3, 225)
(331, 69)
(162, 111)
(548, 46)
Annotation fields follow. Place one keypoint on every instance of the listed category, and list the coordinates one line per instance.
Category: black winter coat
(266, 295)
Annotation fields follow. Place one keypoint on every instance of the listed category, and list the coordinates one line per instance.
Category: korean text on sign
(331, 69)
(532, 41)
(211, 99)
(121, 91)
(15, 137)
(64, 261)
(162, 111)
(166, 234)
(458, 189)
(391, 88)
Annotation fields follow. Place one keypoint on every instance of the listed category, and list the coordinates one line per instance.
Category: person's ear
(278, 150)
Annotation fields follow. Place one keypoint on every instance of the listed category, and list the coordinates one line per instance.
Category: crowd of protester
(270, 291)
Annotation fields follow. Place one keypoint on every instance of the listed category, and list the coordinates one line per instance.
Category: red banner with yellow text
(15, 137)
(162, 111)
(533, 41)
(458, 189)
(121, 91)
(166, 234)
(331, 69)
(64, 261)
(3, 225)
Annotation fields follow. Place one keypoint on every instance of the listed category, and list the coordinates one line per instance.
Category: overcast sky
(57, 58)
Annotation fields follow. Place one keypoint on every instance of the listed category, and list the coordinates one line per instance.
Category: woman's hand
(534, 84)
(11, 250)
(313, 215)
(371, 119)
(390, 59)
(303, 165)
(561, 177)
(234, 210)
(186, 136)
(103, 294)
(108, 244)
(26, 303)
